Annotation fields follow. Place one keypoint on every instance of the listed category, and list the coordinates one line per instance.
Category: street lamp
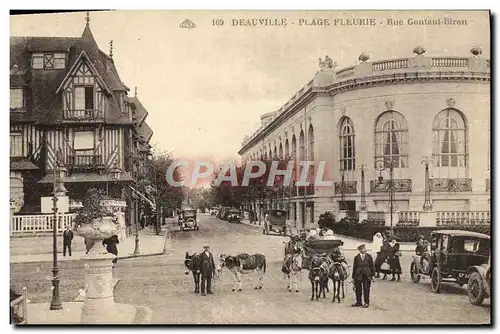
(388, 164)
(58, 190)
(342, 189)
(362, 205)
(427, 202)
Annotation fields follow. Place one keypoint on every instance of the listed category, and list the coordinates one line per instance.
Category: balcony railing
(85, 162)
(463, 218)
(39, 223)
(83, 115)
(409, 218)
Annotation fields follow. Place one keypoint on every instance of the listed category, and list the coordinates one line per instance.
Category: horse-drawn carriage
(309, 248)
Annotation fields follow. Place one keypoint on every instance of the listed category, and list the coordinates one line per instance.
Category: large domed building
(406, 137)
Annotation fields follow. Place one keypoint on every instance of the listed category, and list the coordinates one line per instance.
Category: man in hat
(207, 265)
(362, 273)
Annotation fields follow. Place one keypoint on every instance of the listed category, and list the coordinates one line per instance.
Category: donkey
(338, 275)
(244, 264)
(292, 266)
(193, 264)
(318, 275)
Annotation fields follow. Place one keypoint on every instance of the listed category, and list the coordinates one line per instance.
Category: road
(159, 283)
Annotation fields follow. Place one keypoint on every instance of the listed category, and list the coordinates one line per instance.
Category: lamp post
(362, 205)
(427, 190)
(388, 164)
(58, 189)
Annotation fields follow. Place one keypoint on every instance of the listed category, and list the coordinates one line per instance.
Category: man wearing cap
(207, 270)
(362, 273)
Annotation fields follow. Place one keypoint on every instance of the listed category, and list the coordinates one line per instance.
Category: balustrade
(409, 218)
(84, 161)
(83, 115)
(39, 223)
(463, 218)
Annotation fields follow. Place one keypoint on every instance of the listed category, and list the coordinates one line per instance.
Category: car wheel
(415, 277)
(475, 289)
(436, 280)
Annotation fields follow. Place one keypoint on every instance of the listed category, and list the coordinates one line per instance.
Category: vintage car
(187, 219)
(451, 256)
(223, 212)
(479, 284)
(234, 216)
(275, 222)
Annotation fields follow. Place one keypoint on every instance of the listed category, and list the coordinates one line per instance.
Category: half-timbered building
(66, 96)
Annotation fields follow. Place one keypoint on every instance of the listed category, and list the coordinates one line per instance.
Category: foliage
(326, 219)
(366, 229)
(154, 182)
(92, 208)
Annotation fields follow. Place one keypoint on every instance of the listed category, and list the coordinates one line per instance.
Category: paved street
(159, 283)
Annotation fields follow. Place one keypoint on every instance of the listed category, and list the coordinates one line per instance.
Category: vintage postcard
(250, 167)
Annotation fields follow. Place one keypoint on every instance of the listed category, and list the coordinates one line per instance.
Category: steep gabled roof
(145, 131)
(140, 112)
(43, 102)
(74, 68)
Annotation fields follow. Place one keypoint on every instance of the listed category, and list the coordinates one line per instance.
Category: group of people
(323, 233)
(388, 254)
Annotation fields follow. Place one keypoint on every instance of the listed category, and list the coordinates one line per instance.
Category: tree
(155, 186)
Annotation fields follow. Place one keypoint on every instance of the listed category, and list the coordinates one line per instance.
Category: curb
(75, 259)
(143, 315)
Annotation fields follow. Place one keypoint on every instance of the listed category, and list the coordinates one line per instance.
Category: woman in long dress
(382, 260)
(394, 260)
(377, 243)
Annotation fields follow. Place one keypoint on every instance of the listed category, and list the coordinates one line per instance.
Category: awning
(22, 164)
(88, 177)
(143, 197)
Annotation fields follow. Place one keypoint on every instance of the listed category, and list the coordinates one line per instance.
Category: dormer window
(16, 99)
(48, 61)
(84, 97)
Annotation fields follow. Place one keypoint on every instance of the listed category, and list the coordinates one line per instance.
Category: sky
(205, 88)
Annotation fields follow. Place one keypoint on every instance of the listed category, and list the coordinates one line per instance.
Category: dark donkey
(318, 275)
(193, 264)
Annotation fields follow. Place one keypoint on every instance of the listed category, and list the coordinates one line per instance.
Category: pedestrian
(362, 274)
(394, 259)
(207, 270)
(111, 248)
(67, 239)
(376, 249)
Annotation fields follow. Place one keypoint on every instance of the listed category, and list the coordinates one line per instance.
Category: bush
(92, 208)
(327, 220)
(351, 227)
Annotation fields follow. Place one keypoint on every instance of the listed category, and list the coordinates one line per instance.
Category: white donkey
(292, 268)
(244, 264)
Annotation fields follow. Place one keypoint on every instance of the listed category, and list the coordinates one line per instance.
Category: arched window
(287, 149)
(280, 152)
(294, 154)
(347, 146)
(450, 139)
(310, 140)
(391, 139)
(275, 154)
(302, 148)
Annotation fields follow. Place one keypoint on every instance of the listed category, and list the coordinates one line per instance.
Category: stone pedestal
(428, 218)
(99, 306)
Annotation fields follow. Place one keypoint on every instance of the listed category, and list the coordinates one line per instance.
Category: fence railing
(39, 223)
(463, 218)
(19, 309)
(84, 161)
(83, 115)
(409, 218)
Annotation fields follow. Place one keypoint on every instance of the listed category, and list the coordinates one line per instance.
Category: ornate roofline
(378, 73)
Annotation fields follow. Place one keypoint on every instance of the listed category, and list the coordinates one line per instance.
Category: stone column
(99, 306)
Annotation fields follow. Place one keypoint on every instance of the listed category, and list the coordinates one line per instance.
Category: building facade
(377, 125)
(67, 101)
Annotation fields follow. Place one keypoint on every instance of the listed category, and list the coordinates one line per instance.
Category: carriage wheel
(475, 289)
(436, 280)
(415, 277)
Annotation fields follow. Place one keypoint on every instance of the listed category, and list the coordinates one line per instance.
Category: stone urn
(99, 305)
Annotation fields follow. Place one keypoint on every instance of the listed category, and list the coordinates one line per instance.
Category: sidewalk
(351, 243)
(149, 244)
